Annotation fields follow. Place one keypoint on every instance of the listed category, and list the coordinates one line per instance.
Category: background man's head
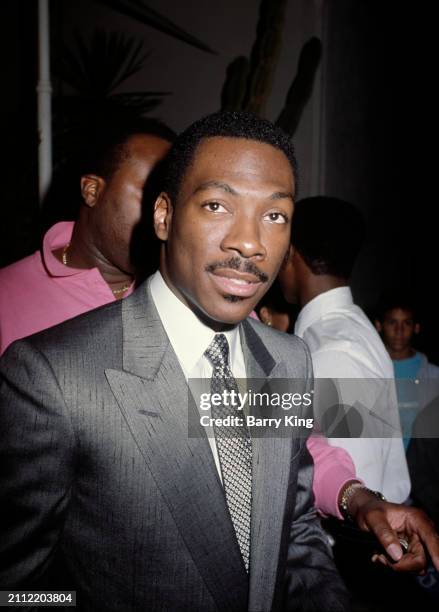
(102, 184)
(225, 212)
(326, 237)
(398, 323)
(114, 174)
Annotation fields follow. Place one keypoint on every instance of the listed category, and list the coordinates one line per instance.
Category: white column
(44, 91)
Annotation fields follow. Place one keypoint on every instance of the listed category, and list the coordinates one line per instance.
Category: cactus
(301, 87)
(235, 85)
(248, 83)
(265, 54)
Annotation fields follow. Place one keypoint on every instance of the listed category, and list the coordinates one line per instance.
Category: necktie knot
(218, 351)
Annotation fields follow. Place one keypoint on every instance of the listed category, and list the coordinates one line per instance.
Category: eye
(276, 217)
(214, 207)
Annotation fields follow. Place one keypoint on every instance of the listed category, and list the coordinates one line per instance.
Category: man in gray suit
(99, 469)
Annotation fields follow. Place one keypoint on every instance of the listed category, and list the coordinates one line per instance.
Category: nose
(398, 329)
(244, 238)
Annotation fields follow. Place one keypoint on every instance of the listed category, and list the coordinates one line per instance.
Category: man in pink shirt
(40, 291)
(87, 264)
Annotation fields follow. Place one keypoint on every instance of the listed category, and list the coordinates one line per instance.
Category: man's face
(398, 328)
(120, 205)
(229, 230)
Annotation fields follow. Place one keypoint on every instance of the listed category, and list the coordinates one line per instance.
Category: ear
(163, 211)
(417, 328)
(91, 188)
(264, 315)
(378, 326)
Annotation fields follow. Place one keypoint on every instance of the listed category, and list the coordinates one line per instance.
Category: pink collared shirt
(39, 291)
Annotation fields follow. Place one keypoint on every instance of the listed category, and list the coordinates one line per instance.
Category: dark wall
(379, 116)
(359, 134)
(19, 130)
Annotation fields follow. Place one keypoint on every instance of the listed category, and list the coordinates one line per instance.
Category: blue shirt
(407, 368)
(406, 373)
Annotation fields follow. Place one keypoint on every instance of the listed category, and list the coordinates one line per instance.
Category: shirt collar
(189, 336)
(57, 237)
(340, 297)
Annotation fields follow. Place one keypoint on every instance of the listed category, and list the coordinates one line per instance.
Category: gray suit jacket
(99, 471)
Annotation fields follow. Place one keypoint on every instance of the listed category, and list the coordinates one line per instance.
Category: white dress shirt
(345, 345)
(190, 337)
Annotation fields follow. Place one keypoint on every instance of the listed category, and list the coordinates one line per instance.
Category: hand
(388, 521)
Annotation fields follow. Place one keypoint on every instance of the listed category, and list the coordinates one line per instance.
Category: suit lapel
(271, 475)
(152, 394)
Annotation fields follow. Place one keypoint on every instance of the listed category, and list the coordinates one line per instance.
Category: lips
(236, 283)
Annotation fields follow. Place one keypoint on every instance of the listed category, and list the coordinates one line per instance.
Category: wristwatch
(349, 492)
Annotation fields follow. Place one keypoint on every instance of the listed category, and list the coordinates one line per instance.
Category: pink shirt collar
(57, 237)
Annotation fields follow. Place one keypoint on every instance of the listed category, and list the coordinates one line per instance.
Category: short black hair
(229, 124)
(396, 298)
(107, 144)
(328, 233)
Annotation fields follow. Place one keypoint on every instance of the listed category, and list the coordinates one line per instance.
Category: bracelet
(349, 492)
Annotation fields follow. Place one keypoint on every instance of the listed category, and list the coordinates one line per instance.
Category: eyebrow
(218, 185)
(278, 195)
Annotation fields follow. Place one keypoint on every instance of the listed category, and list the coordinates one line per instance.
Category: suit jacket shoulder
(286, 348)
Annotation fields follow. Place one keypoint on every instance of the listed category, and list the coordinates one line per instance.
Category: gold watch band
(349, 492)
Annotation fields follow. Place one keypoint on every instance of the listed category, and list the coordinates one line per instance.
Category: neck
(315, 284)
(82, 253)
(404, 353)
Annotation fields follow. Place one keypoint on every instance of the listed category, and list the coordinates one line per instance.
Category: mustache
(240, 265)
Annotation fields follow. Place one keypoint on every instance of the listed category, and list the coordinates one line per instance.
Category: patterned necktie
(234, 447)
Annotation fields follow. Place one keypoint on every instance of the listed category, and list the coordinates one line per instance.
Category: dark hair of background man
(328, 233)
